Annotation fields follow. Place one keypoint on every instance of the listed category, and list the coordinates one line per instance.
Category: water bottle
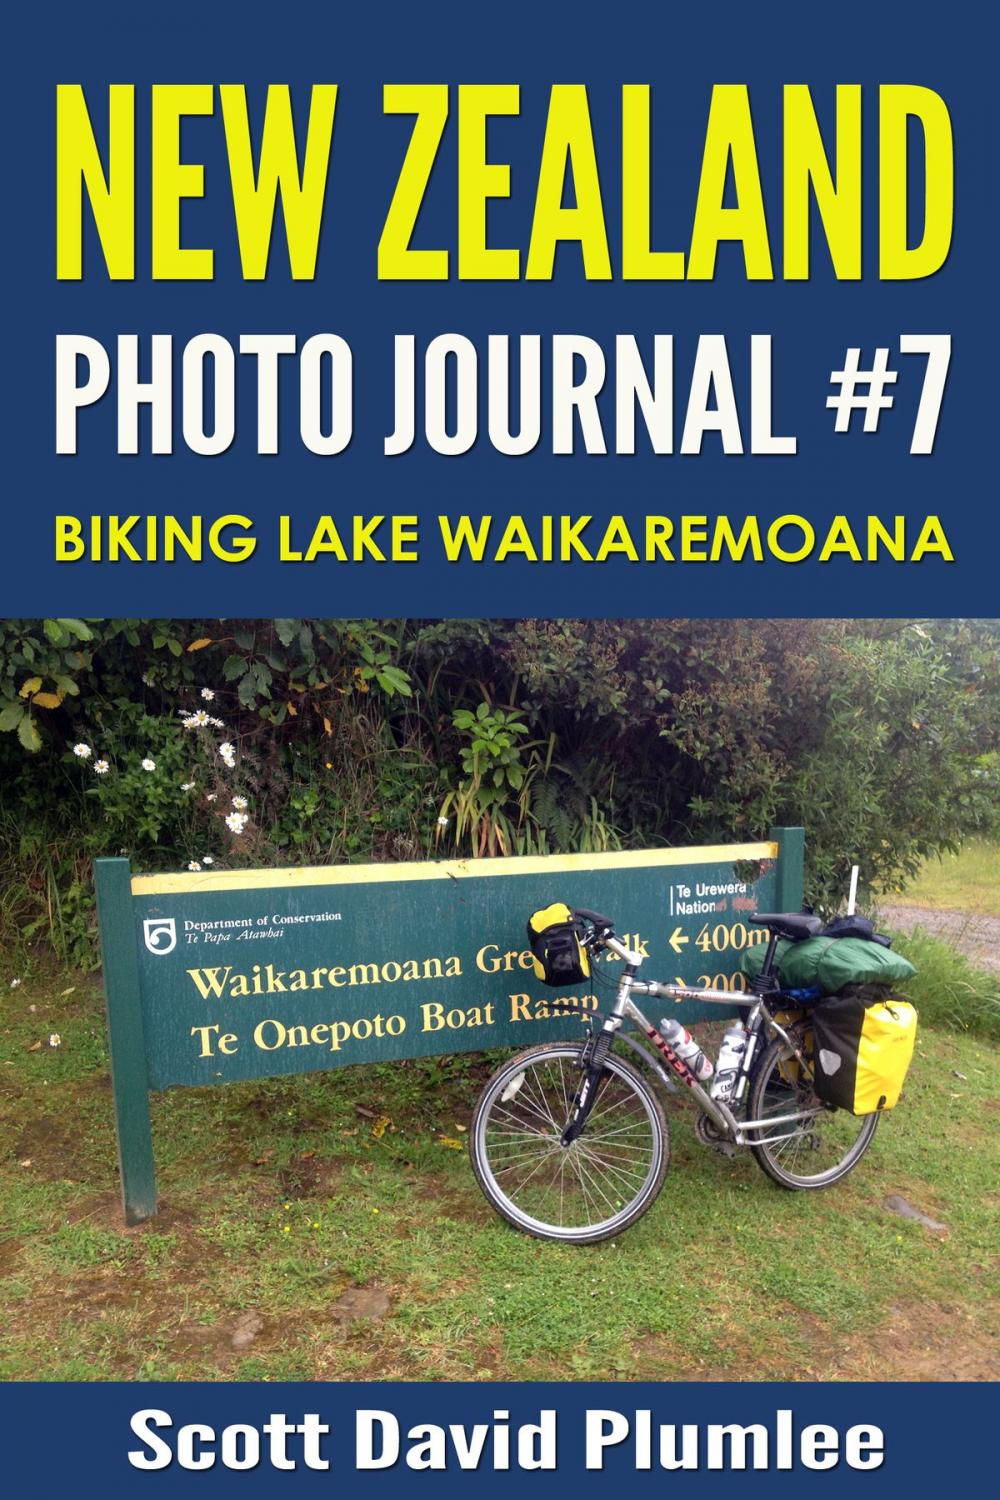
(684, 1044)
(728, 1062)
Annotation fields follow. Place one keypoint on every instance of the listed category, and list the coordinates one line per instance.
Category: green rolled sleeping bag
(830, 963)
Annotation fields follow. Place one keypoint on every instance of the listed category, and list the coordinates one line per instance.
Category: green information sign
(229, 975)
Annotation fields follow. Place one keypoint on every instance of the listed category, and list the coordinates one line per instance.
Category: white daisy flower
(443, 822)
(211, 796)
(240, 804)
(194, 867)
(82, 751)
(216, 723)
(101, 767)
(149, 764)
(207, 859)
(14, 983)
(207, 694)
(236, 822)
(55, 1040)
(186, 786)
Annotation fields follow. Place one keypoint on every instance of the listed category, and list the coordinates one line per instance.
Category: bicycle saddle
(794, 925)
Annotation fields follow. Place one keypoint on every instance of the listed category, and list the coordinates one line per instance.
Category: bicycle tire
(767, 1095)
(581, 1158)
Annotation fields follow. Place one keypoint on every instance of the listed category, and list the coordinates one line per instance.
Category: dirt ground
(975, 935)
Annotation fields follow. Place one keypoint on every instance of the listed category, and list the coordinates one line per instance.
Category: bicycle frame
(738, 1132)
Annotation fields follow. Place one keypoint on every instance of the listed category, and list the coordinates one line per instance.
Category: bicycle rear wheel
(587, 1191)
(814, 1152)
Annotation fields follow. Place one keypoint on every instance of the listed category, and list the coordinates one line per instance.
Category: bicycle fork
(586, 1095)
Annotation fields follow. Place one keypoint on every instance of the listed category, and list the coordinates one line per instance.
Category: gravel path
(976, 936)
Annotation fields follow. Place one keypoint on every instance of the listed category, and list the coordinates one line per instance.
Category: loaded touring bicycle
(569, 1140)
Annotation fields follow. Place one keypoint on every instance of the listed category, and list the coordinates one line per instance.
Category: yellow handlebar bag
(862, 1049)
(558, 956)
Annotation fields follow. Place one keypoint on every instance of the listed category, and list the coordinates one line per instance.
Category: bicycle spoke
(599, 1112)
(536, 1104)
(541, 1162)
(544, 1111)
(522, 1158)
(624, 1163)
(565, 1092)
(595, 1183)
(619, 1129)
(627, 1170)
(631, 1142)
(531, 1110)
(630, 1182)
(574, 1163)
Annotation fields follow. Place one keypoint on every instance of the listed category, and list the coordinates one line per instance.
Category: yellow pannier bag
(862, 1049)
(558, 956)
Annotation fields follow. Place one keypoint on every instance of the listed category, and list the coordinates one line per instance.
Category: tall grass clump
(948, 989)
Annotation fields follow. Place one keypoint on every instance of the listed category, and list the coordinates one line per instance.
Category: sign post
(126, 1039)
(790, 867)
(224, 976)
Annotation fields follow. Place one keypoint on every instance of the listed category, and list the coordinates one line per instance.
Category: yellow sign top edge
(455, 869)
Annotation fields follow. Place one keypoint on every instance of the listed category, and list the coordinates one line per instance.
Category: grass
(968, 881)
(280, 1198)
(949, 990)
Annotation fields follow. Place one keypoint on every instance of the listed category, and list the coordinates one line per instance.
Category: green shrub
(352, 740)
(947, 989)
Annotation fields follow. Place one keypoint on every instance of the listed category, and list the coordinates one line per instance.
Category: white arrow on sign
(677, 939)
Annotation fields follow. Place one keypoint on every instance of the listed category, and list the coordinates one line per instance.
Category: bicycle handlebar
(654, 988)
(604, 923)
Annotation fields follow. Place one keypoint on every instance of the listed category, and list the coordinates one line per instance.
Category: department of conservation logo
(160, 935)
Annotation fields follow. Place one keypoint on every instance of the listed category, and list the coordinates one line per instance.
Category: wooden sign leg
(791, 844)
(129, 1075)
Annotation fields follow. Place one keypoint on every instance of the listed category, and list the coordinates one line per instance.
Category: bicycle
(570, 1142)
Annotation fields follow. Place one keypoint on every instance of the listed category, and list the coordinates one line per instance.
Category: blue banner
(484, 369)
(391, 1439)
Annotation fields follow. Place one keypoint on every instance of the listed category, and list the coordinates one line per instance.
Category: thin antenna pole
(853, 895)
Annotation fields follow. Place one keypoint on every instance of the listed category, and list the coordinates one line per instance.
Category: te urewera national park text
(564, 393)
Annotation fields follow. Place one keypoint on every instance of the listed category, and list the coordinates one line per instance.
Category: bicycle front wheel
(815, 1150)
(587, 1191)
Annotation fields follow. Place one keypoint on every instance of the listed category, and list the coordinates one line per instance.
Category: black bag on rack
(558, 955)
